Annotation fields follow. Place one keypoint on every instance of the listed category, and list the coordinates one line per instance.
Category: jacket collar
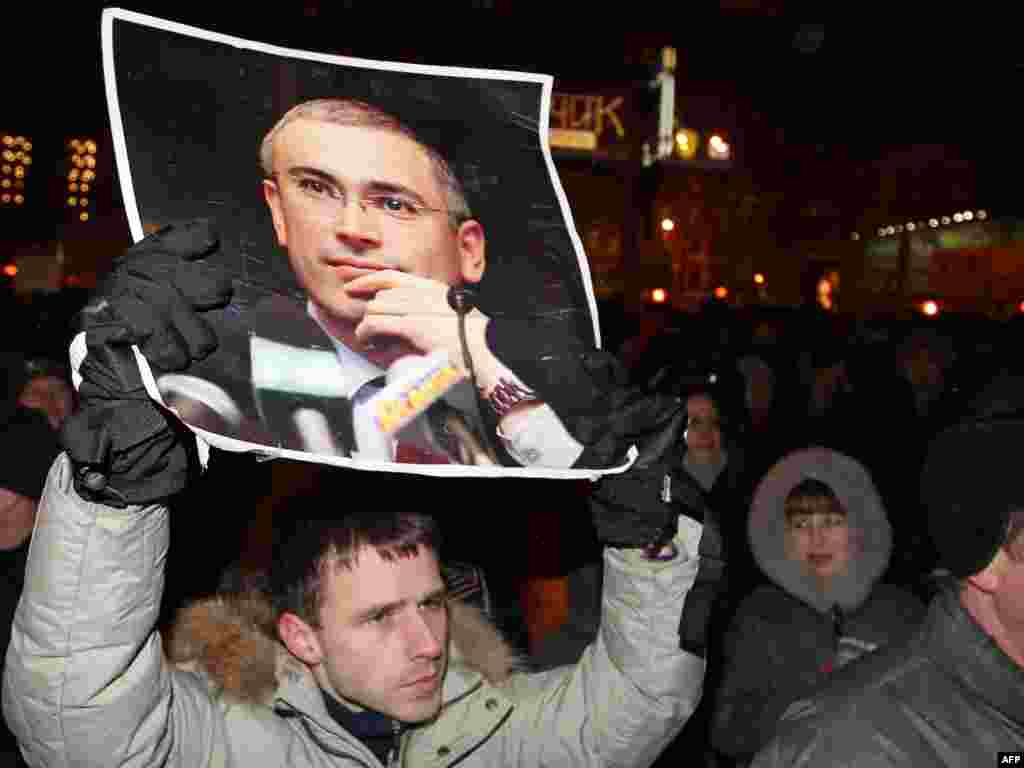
(967, 654)
(232, 640)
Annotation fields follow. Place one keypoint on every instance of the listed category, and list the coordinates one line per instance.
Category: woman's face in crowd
(703, 429)
(819, 540)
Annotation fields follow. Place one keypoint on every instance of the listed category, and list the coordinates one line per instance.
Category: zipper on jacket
(837, 627)
(396, 732)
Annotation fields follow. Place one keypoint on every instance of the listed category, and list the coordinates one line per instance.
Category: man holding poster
(355, 653)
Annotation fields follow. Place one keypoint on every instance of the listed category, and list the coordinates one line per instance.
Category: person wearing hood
(819, 532)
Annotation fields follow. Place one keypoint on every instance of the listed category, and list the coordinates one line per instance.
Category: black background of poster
(194, 113)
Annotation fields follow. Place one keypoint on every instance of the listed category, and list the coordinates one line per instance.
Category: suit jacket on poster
(274, 367)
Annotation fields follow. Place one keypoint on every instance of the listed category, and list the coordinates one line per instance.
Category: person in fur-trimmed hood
(358, 657)
(819, 532)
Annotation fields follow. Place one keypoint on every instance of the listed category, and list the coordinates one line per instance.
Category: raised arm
(85, 679)
(636, 685)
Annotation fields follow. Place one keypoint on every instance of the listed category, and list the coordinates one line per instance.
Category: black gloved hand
(641, 507)
(157, 290)
(636, 508)
(712, 573)
(125, 448)
(622, 416)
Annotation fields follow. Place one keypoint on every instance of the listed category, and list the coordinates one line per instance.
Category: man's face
(819, 541)
(1009, 598)
(322, 172)
(384, 634)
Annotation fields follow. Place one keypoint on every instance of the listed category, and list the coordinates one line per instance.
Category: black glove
(635, 508)
(621, 417)
(586, 387)
(159, 287)
(641, 507)
(126, 448)
(712, 573)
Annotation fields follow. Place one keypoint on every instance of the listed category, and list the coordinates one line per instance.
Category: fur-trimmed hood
(870, 532)
(233, 640)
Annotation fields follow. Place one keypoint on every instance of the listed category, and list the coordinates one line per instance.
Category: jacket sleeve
(840, 737)
(85, 681)
(633, 689)
(746, 706)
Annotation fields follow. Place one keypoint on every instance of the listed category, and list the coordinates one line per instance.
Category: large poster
(351, 196)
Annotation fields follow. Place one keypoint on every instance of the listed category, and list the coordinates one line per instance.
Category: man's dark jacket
(948, 697)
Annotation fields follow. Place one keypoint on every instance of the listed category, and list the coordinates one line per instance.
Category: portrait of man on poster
(377, 230)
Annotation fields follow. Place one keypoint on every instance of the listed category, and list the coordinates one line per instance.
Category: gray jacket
(88, 683)
(948, 697)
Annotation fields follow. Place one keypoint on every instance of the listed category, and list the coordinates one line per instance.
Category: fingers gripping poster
(396, 236)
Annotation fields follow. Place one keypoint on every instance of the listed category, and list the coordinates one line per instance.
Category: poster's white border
(110, 15)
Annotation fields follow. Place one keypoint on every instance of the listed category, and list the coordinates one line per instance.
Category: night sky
(859, 89)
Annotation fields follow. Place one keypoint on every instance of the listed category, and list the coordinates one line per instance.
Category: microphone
(415, 385)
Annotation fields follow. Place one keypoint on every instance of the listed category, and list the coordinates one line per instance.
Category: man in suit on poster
(377, 230)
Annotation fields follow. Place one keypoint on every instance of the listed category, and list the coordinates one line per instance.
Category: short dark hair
(310, 542)
(352, 112)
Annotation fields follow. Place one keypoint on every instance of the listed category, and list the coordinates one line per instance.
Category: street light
(718, 148)
(824, 291)
(687, 143)
(81, 173)
(17, 160)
